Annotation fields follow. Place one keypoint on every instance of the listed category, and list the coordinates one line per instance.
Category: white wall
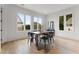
(9, 22)
(75, 21)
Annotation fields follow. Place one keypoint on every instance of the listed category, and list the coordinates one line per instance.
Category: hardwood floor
(61, 46)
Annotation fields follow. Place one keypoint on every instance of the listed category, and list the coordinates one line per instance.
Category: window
(37, 23)
(69, 22)
(27, 22)
(23, 22)
(20, 21)
(51, 25)
(61, 22)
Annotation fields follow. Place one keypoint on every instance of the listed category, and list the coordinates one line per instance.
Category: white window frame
(30, 22)
(38, 22)
(24, 22)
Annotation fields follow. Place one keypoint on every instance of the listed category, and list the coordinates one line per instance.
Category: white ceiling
(46, 8)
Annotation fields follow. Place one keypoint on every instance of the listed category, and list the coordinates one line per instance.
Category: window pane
(35, 19)
(35, 25)
(51, 25)
(35, 22)
(39, 23)
(21, 17)
(61, 22)
(69, 22)
(27, 22)
(20, 21)
(39, 26)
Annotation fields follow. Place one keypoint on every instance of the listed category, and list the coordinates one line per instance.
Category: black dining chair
(30, 37)
(46, 41)
(51, 34)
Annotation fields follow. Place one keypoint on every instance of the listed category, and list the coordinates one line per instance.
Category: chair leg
(29, 41)
(44, 44)
(53, 40)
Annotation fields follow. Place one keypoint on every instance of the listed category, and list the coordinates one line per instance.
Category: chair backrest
(51, 33)
(45, 36)
(30, 34)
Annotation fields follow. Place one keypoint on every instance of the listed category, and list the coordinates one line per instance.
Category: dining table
(37, 34)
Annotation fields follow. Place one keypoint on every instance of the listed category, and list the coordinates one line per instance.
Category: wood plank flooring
(61, 46)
